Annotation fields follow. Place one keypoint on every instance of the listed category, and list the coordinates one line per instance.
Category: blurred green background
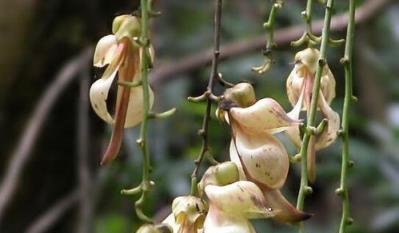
(41, 40)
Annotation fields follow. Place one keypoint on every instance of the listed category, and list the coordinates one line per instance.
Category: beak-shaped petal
(105, 52)
(99, 94)
(242, 199)
(285, 211)
(293, 131)
(261, 157)
(265, 115)
(329, 134)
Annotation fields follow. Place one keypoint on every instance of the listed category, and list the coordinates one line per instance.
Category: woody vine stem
(209, 97)
(304, 187)
(342, 191)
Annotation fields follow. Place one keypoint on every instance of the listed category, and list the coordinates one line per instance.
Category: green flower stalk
(269, 25)
(346, 163)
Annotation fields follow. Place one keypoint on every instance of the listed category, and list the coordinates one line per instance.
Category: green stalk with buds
(270, 44)
(342, 191)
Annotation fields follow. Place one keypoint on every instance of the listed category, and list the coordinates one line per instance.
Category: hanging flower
(299, 89)
(231, 206)
(258, 154)
(123, 56)
(188, 214)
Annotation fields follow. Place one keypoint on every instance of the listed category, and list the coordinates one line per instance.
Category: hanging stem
(269, 25)
(146, 183)
(203, 132)
(305, 188)
(342, 191)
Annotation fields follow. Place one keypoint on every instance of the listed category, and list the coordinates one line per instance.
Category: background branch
(282, 37)
(47, 219)
(34, 126)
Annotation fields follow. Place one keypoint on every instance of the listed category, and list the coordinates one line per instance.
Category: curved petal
(266, 115)
(294, 84)
(293, 132)
(327, 85)
(329, 134)
(135, 109)
(262, 157)
(285, 211)
(99, 94)
(242, 199)
(105, 51)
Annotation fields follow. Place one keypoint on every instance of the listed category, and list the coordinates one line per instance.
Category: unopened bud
(243, 94)
(126, 26)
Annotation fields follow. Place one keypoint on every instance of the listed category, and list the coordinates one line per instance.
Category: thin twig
(85, 178)
(21, 153)
(203, 132)
(347, 62)
(48, 218)
(304, 188)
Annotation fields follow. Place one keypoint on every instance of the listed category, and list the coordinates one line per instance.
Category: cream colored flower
(188, 214)
(122, 57)
(299, 89)
(258, 154)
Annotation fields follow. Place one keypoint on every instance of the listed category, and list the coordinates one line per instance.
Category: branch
(169, 71)
(46, 220)
(83, 139)
(203, 132)
(23, 149)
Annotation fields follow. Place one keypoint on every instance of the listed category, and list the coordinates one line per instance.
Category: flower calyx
(188, 214)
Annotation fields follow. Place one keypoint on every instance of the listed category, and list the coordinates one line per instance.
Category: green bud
(221, 174)
(126, 26)
(242, 94)
(308, 57)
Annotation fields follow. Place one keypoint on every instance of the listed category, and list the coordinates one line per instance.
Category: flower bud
(126, 26)
(242, 94)
(303, 75)
(309, 58)
(221, 174)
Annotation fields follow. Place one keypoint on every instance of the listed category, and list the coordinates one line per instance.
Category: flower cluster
(123, 56)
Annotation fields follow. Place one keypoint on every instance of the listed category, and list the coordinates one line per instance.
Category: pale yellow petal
(242, 199)
(135, 108)
(105, 52)
(330, 133)
(99, 94)
(263, 158)
(266, 115)
(293, 132)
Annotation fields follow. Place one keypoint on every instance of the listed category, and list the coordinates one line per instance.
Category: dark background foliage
(38, 37)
